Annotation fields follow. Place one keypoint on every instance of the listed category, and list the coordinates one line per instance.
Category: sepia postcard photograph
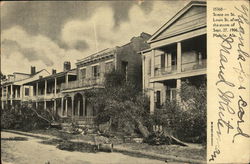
(125, 82)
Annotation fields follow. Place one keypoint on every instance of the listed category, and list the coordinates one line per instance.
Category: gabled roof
(59, 74)
(23, 81)
(183, 11)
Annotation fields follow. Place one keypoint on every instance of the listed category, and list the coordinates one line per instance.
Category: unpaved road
(32, 151)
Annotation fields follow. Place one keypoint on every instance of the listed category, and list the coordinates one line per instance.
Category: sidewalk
(117, 148)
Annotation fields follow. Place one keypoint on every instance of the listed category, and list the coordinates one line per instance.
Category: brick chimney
(66, 66)
(32, 70)
(53, 71)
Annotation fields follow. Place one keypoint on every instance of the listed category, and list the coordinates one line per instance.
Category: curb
(117, 148)
(167, 158)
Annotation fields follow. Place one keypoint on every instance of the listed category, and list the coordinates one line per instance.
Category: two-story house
(177, 53)
(47, 93)
(13, 89)
(90, 74)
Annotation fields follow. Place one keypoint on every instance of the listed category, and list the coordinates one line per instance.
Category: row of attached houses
(158, 63)
(64, 92)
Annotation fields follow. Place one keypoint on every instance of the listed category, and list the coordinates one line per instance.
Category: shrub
(119, 101)
(25, 118)
(185, 120)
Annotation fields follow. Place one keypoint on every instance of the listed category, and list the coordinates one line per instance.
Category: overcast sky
(45, 34)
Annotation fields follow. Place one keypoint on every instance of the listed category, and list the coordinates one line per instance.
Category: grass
(194, 151)
(15, 139)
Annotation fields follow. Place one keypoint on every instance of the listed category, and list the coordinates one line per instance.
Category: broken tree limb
(177, 141)
(38, 115)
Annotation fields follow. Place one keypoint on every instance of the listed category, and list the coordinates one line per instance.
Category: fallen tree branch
(40, 116)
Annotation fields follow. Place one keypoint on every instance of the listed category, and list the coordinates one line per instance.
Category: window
(174, 58)
(109, 66)
(125, 69)
(27, 90)
(149, 67)
(158, 99)
(162, 60)
(96, 71)
(171, 94)
(83, 73)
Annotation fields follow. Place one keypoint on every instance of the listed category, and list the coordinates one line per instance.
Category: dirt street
(32, 151)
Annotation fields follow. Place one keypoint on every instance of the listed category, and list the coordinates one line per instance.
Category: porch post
(67, 80)
(37, 89)
(84, 106)
(45, 88)
(179, 57)
(7, 92)
(66, 106)
(169, 62)
(72, 110)
(16, 92)
(178, 89)
(45, 106)
(55, 106)
(62, 106)
(152, 98)
(2, 99)
(152, 63)
(55, 86)
(11, 94)
(45, 94)
(78, 107)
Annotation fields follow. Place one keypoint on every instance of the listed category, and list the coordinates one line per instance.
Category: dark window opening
(125, 69)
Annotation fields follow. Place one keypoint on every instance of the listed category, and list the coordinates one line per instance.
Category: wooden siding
(194, 18)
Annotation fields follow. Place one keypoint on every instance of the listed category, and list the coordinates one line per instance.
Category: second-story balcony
(88, 82)
(185, 67)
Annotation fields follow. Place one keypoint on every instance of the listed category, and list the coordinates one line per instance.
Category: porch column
(72, 105)
(45, 88)
(55, 86)
(66, 106)
(169, 56)
(7, 92)
(179, 57)
(45, 106)
(37, 89)
(16, 92)
(200, 58)
(83, 106)
(67, 80)
(178, 89)
(2, 105)
(78, 107)
(152, 63)
(2, 91)
(62, 106)
(152, 98)
(36, 104)
(11, 94)
(2, 98)
(21, 92)
(54, 106)
(166, 61)
(45, 93)
(143, 71)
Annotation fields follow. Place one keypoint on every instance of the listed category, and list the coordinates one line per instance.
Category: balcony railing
(189, 66)
(165, 70)
(98, 81)
(201, 64)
